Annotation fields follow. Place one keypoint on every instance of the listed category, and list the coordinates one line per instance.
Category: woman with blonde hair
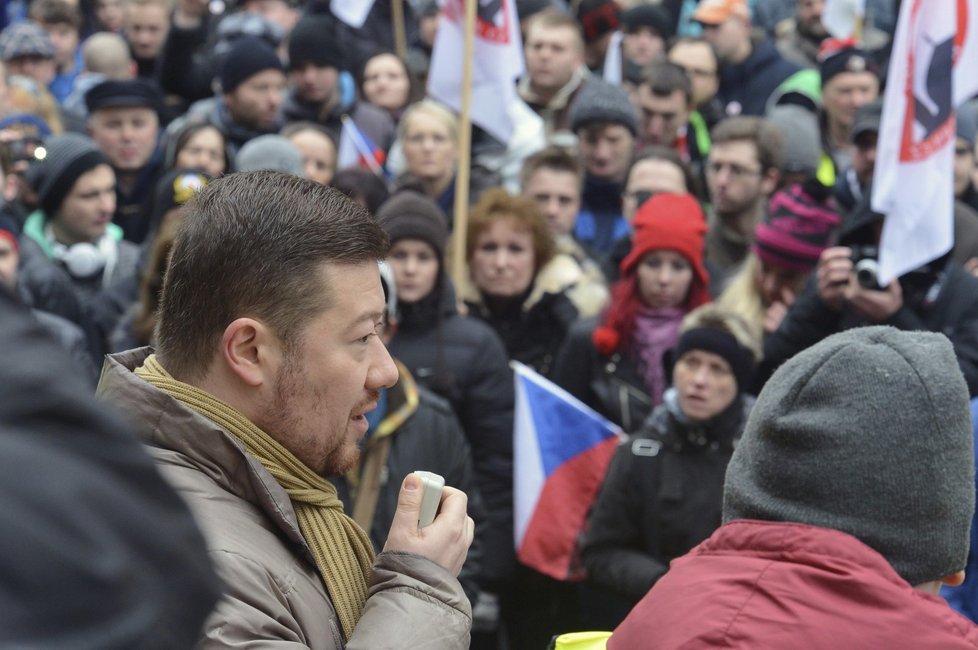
(428, 137)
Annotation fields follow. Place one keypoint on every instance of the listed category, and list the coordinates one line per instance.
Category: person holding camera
(844, 292)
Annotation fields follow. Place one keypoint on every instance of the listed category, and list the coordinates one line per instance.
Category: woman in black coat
(458, 357)
(663, 492)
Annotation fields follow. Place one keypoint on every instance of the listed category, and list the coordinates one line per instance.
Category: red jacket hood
(759, 584)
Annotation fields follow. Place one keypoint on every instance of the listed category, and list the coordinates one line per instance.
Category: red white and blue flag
(497, 62)
(561, 450)
(358, 150)
(932, 71)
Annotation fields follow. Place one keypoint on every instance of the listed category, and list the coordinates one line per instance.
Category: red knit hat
(672, 222)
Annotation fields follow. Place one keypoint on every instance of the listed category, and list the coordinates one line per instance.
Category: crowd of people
(682, 209)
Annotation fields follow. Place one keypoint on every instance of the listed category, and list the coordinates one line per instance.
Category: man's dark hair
(665, 78)
(363, 186)
(554, 158)
(56, 12)
(669, 155)
(254, 244)
(767, 138)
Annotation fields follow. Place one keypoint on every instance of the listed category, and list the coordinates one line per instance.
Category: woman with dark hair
(363, 186)
(614, 363)
(520, 286)
(386, 82)
(135, 328)
(458, 357)
(198, 145)
(663, 493)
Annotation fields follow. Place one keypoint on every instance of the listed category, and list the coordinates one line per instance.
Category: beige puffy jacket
(274, 596)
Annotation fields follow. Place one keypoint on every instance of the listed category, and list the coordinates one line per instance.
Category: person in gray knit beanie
(867, 432)
(602, 103)
(67, 157)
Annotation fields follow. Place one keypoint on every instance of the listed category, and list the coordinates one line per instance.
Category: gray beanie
(599, 101)
(67, 157)
(273, 152)
(802, 142)
(867, 432)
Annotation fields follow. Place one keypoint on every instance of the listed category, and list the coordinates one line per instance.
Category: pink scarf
(656, 330)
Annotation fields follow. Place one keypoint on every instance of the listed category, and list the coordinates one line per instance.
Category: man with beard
(268, 360)
(742, 170)
(799, 38)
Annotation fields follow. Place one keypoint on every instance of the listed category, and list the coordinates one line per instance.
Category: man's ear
(954, 580)
(251, 351)
(769, 181)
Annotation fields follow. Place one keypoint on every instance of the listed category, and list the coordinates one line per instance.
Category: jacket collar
(177, 428)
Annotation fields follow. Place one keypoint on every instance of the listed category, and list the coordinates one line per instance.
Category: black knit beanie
(867, 432)
(721, 343)
(314, 40)
(68, 156)
(654, 16)
(411, 215)
(247, 57)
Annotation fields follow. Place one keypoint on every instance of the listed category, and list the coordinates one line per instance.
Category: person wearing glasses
(699, 61)
(742, 171)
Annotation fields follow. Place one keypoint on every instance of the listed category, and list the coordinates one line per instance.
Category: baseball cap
(714, 12)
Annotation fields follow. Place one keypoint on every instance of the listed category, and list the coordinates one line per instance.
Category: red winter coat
(759, 584)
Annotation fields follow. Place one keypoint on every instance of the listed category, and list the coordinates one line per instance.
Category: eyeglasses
(703, 73)
(735, 170)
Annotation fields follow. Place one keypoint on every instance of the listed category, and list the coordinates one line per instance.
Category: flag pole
(397, 24)
(461, 207)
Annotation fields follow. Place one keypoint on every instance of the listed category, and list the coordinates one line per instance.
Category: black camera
(865, 262)
(27, 148)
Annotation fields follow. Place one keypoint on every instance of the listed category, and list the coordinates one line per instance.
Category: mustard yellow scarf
(342, 550)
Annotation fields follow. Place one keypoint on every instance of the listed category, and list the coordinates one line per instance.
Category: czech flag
(357, 150)
(561, 451)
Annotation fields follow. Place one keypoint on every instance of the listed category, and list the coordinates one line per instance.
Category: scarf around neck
(656, 330)
(342, 551)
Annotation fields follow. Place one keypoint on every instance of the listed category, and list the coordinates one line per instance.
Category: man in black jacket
(938, 297)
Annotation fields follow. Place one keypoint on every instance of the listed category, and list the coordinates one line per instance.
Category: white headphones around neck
(84, 260)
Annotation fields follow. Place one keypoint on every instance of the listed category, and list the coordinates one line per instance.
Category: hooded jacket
(767, 585)
(746, 86)
(273, 591)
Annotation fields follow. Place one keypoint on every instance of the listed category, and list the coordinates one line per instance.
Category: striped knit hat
(798, 228)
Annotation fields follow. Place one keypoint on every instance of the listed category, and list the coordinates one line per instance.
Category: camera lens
(867, 274)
